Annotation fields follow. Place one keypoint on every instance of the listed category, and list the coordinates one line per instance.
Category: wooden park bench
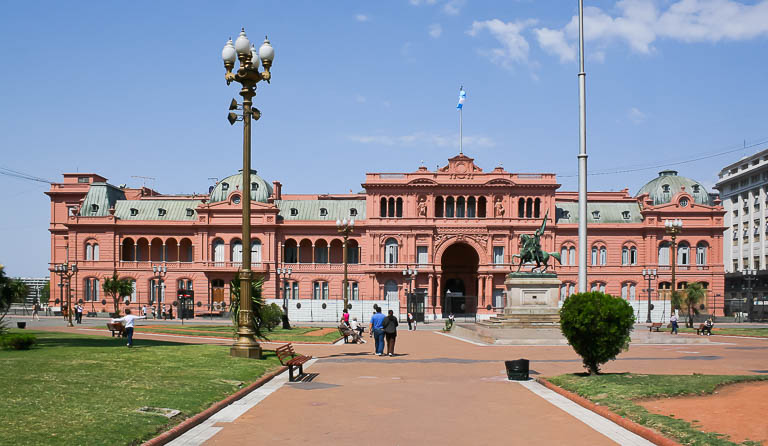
(655, 326)
(289, 358)
(703, 329)
(116, 327)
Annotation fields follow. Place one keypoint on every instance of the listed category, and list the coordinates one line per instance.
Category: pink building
(457, 226)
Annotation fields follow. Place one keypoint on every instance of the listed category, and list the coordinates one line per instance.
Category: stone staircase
(532, 320)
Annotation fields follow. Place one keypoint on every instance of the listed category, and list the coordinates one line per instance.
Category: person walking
(128, 320)
(345, 317)
(35, 311)
(390, 332)
(170, 312)
(378, 331)
(144, 310)
(673, 321)
(79, 313)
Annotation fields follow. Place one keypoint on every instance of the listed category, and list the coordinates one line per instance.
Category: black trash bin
(21, 324)
(517, 370)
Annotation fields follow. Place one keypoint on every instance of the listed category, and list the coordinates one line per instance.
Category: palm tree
(117, 289)
(694, 294)
(6, 297)
(256, 303)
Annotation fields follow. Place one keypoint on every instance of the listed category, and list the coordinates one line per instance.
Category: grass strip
(79, 389)
(620, 392)
(298, 334)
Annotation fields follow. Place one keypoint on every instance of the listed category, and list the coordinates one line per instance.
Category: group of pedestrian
(166, 312)
(351, 328)
(384, 327)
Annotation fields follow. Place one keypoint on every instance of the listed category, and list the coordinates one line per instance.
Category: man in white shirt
(128, 321)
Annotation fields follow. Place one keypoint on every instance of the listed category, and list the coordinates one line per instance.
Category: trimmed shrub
(597, 326)
(18, 341)
(271, 316)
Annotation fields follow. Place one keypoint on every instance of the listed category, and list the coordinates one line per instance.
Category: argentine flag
(462, 98)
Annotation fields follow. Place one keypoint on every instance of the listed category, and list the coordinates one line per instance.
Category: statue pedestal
(532, 302)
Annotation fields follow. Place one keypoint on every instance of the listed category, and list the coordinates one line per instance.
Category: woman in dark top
(390, 332)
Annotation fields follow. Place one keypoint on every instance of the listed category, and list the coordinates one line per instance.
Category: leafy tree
(45, 293)
(257, 304)
(19, 290)
(6, 298)
(597, 326)
(117, 289)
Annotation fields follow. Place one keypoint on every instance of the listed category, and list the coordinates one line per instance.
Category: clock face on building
(683, 202)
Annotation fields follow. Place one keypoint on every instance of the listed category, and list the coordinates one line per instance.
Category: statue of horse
(530, 249)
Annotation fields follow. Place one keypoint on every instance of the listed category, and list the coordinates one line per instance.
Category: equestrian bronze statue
(530, 250)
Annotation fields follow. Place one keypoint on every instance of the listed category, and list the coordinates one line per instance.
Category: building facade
(457, 226)
(743, 186)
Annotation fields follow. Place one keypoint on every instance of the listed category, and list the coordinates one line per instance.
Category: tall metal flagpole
(582, 158)
(461, 124)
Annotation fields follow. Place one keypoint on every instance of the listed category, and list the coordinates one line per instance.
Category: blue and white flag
(462, 98)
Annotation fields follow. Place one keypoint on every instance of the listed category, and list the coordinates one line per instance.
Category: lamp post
(158, 272)
(345, 228)
(248, 76)
(410, 274)
(649, 274)
(750, 275)
(285, 273)
(66, 271)
(672, 228)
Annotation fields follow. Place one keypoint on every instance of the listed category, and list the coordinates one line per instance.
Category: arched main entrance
(458, 290)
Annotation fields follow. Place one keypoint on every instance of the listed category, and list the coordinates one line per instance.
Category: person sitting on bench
(346, 331)
(708, 324)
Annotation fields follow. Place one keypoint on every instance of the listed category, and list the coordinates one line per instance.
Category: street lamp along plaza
(66, 271)
(673, 228)
(345, 227)
(284, 274)
(247, 75)
(649, 274)
(158, 272)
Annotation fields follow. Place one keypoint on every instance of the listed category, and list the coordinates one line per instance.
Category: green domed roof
(662, 188)
(260, 189)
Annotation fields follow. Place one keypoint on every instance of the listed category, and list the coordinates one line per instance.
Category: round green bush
(18, 341)
(597, 326)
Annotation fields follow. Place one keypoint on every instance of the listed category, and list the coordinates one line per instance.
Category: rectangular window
(295, 293)
(316, 291)
(625, 256)
(133, 291)
(498, 255)
(287, 290)
(422, 255)
(325, 290)
(624, 291)
(353, 291)
(632, 291)
(498, 298)
(633, 256)
(82, 179)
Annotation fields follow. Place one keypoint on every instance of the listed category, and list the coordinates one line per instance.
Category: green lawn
(84, 390)
(296, 334)
(618, 392)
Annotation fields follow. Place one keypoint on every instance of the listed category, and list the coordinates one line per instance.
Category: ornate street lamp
(158, 272)
(673, 227)
(750, 275)
(248, 76)
(65, 272)
(345, 228)
(410, 275)
(649, 274)
(285, 273)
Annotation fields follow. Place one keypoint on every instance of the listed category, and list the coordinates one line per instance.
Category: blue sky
(129, 89)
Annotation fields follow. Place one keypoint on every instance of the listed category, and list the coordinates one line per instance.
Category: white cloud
(435, 30)
(640, 24)
(514, 47)
(424, 139)
(362, 18)
(636, 116)
(453, 7)
(422, 2)
(360, 99)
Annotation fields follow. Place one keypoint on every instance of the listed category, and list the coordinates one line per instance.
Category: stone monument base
(532, 302)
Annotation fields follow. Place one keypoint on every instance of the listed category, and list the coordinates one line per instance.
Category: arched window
(572, 256)
(521, 208)
(529, 208)
(594, 255)
(683, 253)
(598, 286)
(237, 251)
(383, 210)
(390, 251)
(536, 207)
(88, 252)
(625, 291)
(321, 251)
(663, 253)
(186, 250)
(399, 208)
(320, 290)
(471, 207)
(633, 256)
(439, 205)
(218, 251)
(390, 290)
(129, 250)
(391, 207)
(481, 204)
(91, 289)
(603, 255)
(701, 253)
(353, 252)
(184, 284)
(256, 251)
(290, 253)
(632, 290)
(625, 255)
(564, 255)
(449, 207)
(460, 207)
